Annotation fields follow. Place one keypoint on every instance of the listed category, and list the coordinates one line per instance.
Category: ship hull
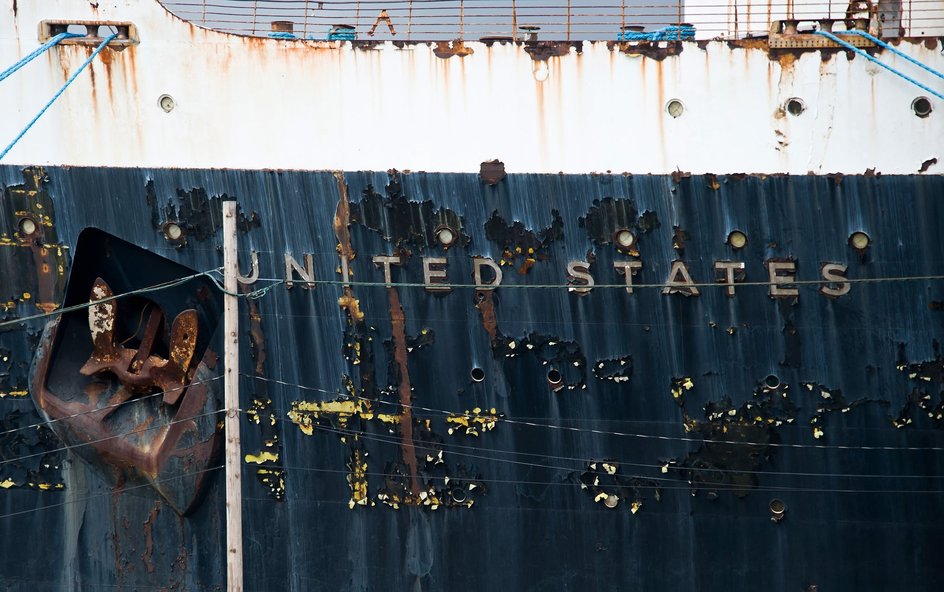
(569, 427)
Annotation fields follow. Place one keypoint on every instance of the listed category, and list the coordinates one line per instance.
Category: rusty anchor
(139, 370)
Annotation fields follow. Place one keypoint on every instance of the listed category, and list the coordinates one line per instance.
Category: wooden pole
(234, 495)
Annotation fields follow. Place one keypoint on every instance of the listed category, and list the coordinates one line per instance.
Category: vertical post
(234, 496)
(461, 16)
(255, 6)
(623, 16)
(678, 31)
(204, 19)
(409, 22)
(305, 25)
(514, 21)
(568, 20)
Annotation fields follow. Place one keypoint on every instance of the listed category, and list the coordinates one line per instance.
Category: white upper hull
(251, 103)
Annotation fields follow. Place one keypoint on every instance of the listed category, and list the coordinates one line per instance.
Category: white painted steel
(262, 103)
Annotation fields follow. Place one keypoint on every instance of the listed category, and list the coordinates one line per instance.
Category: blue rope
(847, 45)
(670, 33)
(36, 53)
(58, 94)
(896, 52)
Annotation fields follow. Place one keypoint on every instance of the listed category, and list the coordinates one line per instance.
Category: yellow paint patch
(475, 422)
(264, 456)
(7, 483)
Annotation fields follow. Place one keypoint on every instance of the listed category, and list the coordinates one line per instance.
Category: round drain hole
(921, 106)
(477, 374)
(772, 381)
(795, 106)
(554, 376)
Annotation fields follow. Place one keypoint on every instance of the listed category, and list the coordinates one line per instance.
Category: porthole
(477, 374)
(27, 227)
(167, 103)
(859, 241)
(173, 231)
(675, 108)
(737, 239)
(445, 236)
(624, 238)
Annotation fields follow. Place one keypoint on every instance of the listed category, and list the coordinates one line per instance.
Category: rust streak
(397, 320)
(486, 305)
(148, 538)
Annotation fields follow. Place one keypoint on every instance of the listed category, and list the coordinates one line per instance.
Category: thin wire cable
(661, 467)
(673, 486)
(105, 408)
(85, 305)
(623, 286)
(109, 493)
(698, 483)
(617, 433)
(6, 461)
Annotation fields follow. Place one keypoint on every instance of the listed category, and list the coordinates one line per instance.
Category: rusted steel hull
(682, 422)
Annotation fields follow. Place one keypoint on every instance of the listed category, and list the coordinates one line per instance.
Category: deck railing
(557, 20)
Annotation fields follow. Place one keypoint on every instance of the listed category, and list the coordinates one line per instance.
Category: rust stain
(342, 231)
(485, 302)
(398, 321)
(342, 219)
(148, 537)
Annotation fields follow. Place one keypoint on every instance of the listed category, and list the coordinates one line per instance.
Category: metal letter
(729, 268)
(306, 274)
(579, 270)
(437, 273)
(629, 269)
(386, 261)
(778, 279)
(680, 281)
(253, 272)
(477, 263)
(835, 273)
